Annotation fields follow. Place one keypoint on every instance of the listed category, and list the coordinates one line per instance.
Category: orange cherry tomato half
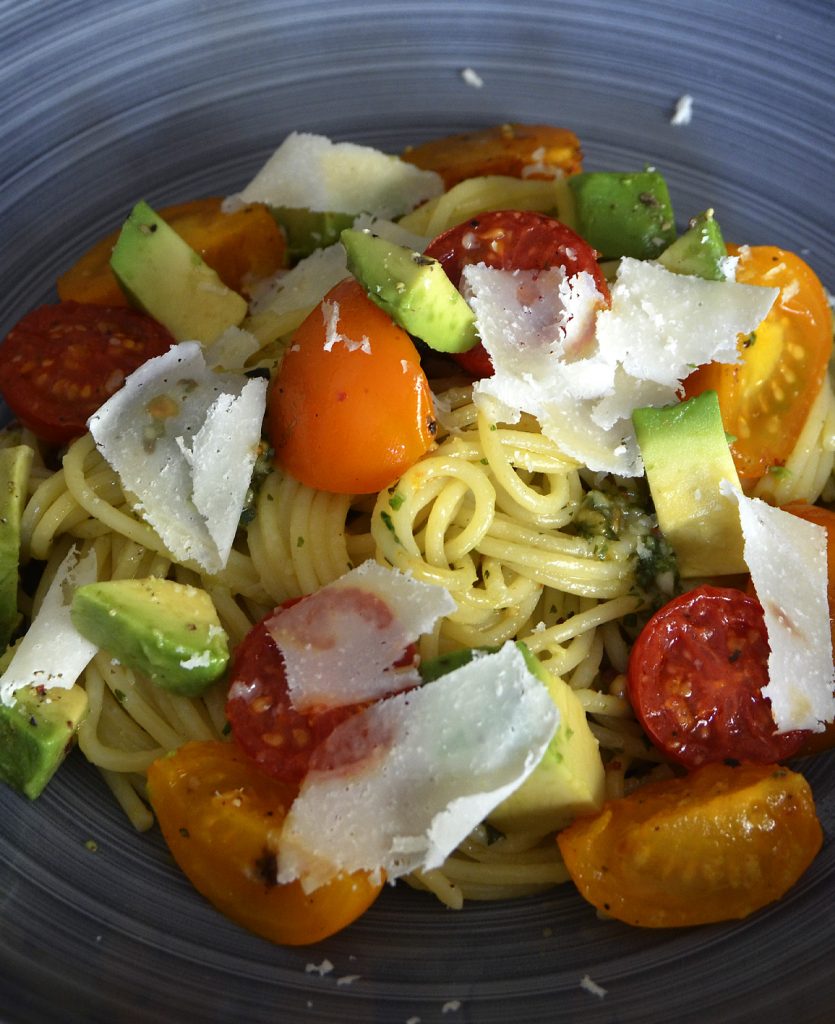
(695, 679)
(61, 362)
(766, 397)
(818, 741)
(221, 819)
(350, 408)
(241, 247)
(515, 150)
(714, 846)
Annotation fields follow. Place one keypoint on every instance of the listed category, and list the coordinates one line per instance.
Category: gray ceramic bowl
(104, 101)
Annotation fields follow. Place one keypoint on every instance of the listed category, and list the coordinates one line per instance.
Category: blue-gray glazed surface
(102, 103)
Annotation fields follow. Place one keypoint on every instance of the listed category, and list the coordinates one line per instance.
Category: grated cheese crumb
(451, 1006)
(348, 979)
(683, 113)
(325, 967)
(473, 78)
(592, 986)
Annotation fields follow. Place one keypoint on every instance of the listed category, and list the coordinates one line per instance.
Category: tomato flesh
(515, 150)
(222, 819)
(765, 398)
(714, 846)
(278, 738)
(350, 408)
(695, 678)
(512, 240)
(61, 362)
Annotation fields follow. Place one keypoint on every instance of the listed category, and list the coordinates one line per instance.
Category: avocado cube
(700, 251)
(413, 289)
(15, 464)
(309, 230)
(167, 631)
(36, 731)
(570, 778)
(162, 275)
(624, 214)
(686, 458)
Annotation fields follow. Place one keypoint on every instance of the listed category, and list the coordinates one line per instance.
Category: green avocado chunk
(15, 464)
(36, 731)
(624, 214)
(162, 275)
(167, 631)
(686, 457)
(309, 230)
(569, 780)
(700, 251)
(413, 289)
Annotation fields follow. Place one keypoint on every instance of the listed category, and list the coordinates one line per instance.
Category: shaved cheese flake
(300, 290)
(183, 440)
(231, 349)
(53, 652)
(582, 370)
(663, 324)
(787, 559)
(311, 172)
(396, 787)
(340, 644)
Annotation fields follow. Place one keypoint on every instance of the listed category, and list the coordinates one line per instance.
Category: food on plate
(450, 518)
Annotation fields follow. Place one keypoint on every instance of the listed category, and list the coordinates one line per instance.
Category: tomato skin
(222, 819)
(766, 397)
(504, 149)
(279, 739)
(695, 680)
(61, 362)
(342, 418)
(512, 240)
(713, 846)
(241, 247)
(816, 742)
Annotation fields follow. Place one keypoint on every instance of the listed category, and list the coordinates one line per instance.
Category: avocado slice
(569, 780)
(413, 289)
(162, 275)
(623, 214)
(700, 251)
(309, 230)
(167, 631)
(686, 457)
(36, 731)
(15, 464)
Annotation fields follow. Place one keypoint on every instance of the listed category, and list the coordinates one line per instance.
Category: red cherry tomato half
(512, 240)
(61, 362)
(696, 674)
(279, 738)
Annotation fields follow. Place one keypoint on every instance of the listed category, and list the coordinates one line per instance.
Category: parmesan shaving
(396, 787)
(183, 440)
(53, 652)
(311, 172)
(787, 559)
(582, 370)
(340, 644)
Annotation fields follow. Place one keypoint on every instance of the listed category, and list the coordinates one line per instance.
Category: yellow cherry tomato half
(713, 846)
(349, 408)
(515, 150)
(766, 397)
(221, 819)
